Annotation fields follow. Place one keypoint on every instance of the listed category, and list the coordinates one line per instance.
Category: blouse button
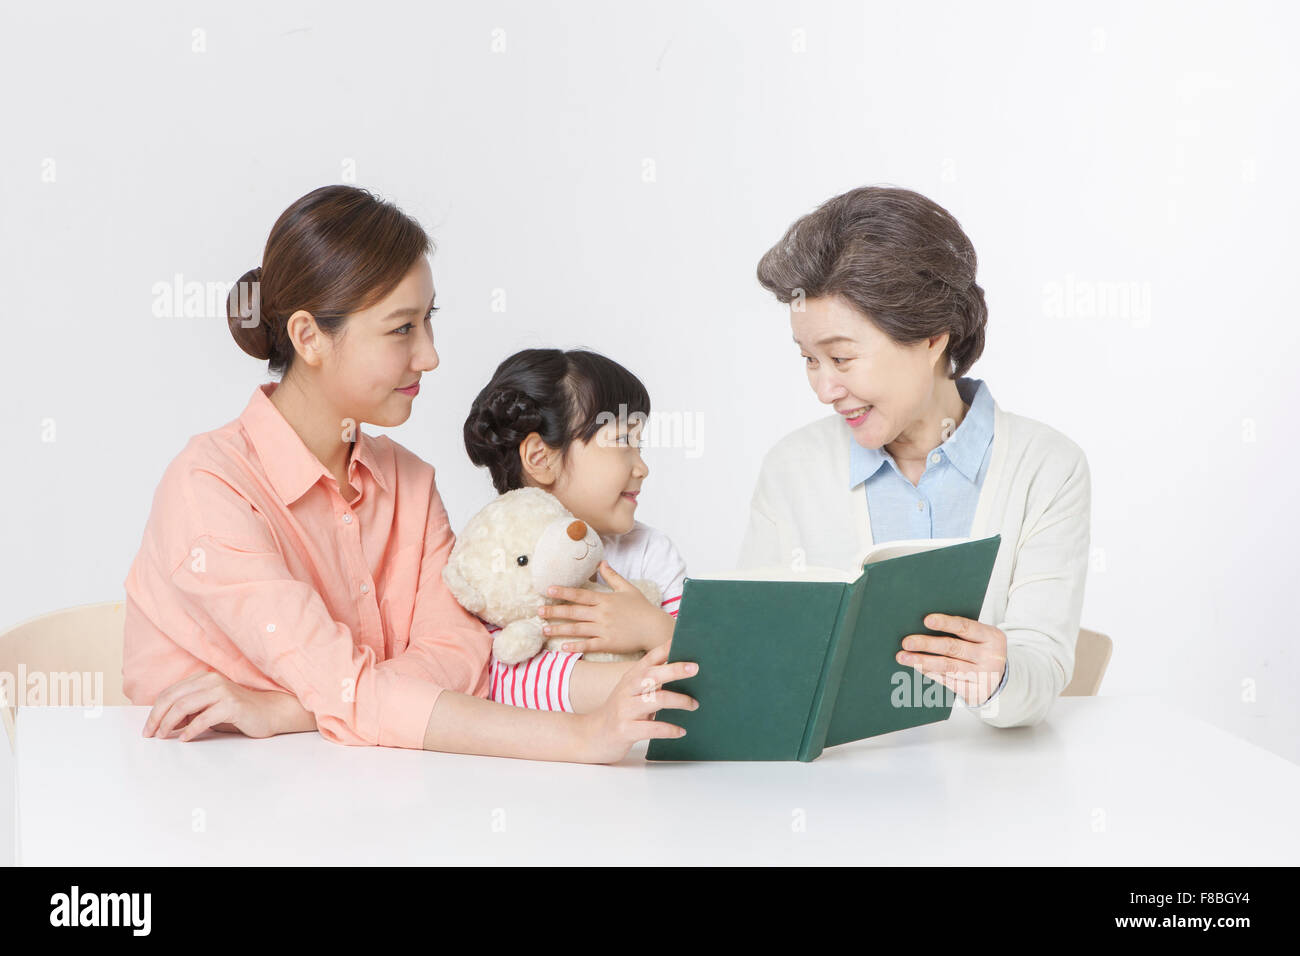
(347, 519)
(365, 589)
(934, 459)
(920, 506)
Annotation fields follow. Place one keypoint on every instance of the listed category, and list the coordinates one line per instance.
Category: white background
(1118, 143)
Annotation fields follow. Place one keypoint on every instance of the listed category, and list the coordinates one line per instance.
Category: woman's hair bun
(248, 318)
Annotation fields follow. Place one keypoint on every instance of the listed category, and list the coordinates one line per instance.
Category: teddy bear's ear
(468, 596)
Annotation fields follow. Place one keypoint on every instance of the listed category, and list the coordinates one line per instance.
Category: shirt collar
(290, 466)
(965, 447)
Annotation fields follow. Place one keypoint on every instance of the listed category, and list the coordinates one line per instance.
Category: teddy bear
(508, 554)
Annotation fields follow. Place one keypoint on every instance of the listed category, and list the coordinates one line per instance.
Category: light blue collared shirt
(942, 504)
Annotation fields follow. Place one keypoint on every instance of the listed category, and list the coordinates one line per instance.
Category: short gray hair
(897, 257)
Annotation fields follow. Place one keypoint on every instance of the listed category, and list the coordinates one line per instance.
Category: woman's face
(851, 364)
(382, 349)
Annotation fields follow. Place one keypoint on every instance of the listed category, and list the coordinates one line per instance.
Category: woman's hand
(209, 701)
(628, 715)
(619, 622)
(970, 663)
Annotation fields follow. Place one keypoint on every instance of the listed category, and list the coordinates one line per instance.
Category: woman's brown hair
(897, 257)
(336, 251)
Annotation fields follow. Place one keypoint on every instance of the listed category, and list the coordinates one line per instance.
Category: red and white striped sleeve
(541, 682)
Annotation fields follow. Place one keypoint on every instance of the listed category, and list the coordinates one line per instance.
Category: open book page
(881, 552)
(897, 549)
(806, 573)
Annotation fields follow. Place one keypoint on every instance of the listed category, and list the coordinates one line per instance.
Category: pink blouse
(254, 566)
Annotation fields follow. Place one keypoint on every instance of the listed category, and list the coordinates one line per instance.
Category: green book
(792, 662)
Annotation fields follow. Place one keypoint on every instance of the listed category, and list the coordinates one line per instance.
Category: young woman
(888, 318)
(289, 578)
(542, 422)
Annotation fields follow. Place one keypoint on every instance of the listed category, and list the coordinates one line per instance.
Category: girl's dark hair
(336, 251)
(560, 395)
(899, 258)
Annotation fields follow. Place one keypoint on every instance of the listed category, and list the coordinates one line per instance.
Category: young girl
(571, 423)
(290, 573)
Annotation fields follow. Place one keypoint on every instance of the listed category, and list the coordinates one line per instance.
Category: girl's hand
(209, 701)
(628, 714)
(620, 622)
(970, 663)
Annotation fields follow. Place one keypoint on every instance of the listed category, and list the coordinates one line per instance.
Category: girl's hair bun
(507, 417)
(247, 316)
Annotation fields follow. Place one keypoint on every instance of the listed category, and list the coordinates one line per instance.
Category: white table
(1104, 780)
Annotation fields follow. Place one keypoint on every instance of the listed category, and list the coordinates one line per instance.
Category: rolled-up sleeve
(237, 583)
(448, 645)
(1044, 605)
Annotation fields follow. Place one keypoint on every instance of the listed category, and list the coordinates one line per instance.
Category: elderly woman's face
(852, 366)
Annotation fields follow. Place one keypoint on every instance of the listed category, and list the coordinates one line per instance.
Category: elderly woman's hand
(970, 663)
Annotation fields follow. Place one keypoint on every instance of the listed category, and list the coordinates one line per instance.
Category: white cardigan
(1036, 494)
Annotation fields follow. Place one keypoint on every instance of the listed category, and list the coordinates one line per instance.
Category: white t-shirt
(649, 554)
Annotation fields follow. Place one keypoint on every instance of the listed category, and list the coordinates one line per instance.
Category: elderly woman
(889, 319)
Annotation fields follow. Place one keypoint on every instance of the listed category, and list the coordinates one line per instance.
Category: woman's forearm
(465, 724)
(291, 717)
(589, 687)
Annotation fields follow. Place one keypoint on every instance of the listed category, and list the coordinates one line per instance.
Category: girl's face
(383, 349)
(601, 477)
(851, 364)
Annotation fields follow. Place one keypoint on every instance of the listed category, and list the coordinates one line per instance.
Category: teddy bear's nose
(577, 531)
